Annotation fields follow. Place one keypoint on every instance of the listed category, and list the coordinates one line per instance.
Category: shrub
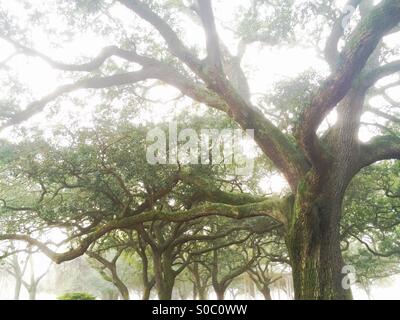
(77, 296)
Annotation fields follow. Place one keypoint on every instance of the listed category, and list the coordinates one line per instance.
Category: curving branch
(371, 77)
(90, 66)
(353, 58)
(270, 207)
(213, 47)
(380, 148)
(272, 141)
(112, 267)
(384, 115)
(91, 83)
(175, 45)
(387, 254)
(331, 51)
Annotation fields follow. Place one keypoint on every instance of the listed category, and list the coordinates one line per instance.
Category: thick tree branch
(92, 65)
(380, 148)
(353, 58)
(374, 252)
(175, 45)
(213, 48)
(112, 267)
(383, 114)
(371, 77)
(272, 141)
(270, 207)
(331, 48)
(91, 83)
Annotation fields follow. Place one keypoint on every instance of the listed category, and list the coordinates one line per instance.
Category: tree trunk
(165, 291)
(313, 241)
(123, 290)
(266, 293)
(199, 287)
(147, 283)
(32, 293)
(202, 291)
(146, 292)
(195, 291)
(17, 288)
(164, 276)
(220, 292)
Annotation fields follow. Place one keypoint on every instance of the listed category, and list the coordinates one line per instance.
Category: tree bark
(17, 288)
(147, 291)
(164, 275)
(313, 242)
(220, 292)
(165, 291)
(199, 284)
(266, 293)
(123, 290)
(32, 292)
(195, 291)
(202, 293)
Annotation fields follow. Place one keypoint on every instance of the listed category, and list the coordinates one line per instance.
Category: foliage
(77, 296)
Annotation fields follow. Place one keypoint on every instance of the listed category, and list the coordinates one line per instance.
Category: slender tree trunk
(220, 292)
(195, 291)
(148, 286)
(164, 276)
(199, 287)
(17, 288)
(251, 287)
(32, 292)
(202, 291)
(313, 242)
(123, 290)
(146, 294)
(147, 283)
(266, 293)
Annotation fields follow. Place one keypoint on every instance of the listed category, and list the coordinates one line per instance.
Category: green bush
(77, 296)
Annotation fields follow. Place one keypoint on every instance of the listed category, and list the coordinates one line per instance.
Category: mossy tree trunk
(220, 292)
(200, 282)
(146, 293)
(266, 292)
(313, 241)
(164, 274)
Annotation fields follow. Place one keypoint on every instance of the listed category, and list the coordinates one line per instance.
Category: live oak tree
(107, 254)
(272, 260)
(200, 277)
(175, 246)
(227, 259)
(317, 164)
(101, 179)
(136, 256)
